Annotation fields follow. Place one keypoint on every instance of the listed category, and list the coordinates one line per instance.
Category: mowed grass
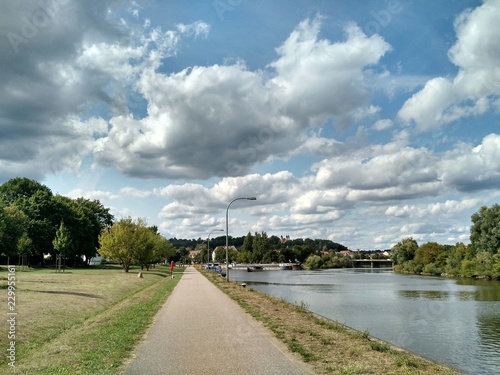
(83, 321)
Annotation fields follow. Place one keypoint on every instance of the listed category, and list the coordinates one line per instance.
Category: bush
(313, 262)
(468, 268)
(413, 267)
(432, 269)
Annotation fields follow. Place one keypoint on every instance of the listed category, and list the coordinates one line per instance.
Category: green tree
(484, 264)
(404, 250)
(146, 242)
(485, 229)
(496, 265)
(92, 218)
(164, 250)
(62, 241)
(247, 243)
(245, 255)
(457, 254)
(220, 254)
(13, 230)
(119, 242)
(431, 252)
(35, 200)
(19, 189)
(313, 262)
(468, 268)
(260, 247)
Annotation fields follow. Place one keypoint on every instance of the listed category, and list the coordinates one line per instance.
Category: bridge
(372, 263)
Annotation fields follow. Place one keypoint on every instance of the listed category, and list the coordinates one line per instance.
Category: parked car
(211, 266)
(220, 270)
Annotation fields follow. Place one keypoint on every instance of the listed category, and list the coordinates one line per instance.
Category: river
(452, 321)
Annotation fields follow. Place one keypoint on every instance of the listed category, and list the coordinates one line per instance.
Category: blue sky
(363, 122)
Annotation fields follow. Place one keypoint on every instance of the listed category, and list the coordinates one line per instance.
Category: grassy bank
(329, 347)
(83, 321)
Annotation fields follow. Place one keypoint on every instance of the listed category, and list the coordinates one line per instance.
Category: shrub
(468, 268)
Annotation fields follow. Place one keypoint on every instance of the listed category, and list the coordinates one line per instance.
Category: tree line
(480, 258)
(262, 248)
(36, 224)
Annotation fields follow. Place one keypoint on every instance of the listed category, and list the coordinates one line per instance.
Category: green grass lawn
(82, 320)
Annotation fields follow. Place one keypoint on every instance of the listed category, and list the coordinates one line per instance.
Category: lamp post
(208, 243)
(227, 233)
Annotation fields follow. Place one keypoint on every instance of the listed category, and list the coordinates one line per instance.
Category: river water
(452, 321)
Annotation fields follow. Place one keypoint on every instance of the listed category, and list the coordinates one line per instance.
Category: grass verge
(98, 317)
(331, 348)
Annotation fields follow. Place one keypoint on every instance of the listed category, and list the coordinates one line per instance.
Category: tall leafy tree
(13, 224)
(62, 241)
(164, 251)
(35, 200)
(485, 229)
(247, 243)
(85, 219)
(19, 189)
(404, 250)
(245, 254)
(260, 246)
(119, 242)
(144, 253)
(454, 261)
(431, 252)
(132, 242)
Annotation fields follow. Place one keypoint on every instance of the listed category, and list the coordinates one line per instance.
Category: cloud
(133, 192)
(311, 73)
(201, 122)
(469, 168)
(421, 211)
(371, 173)
(95, 194)
(269, 189)
(65, 67)
(356, 190)
(476, 86)
(382, 124)
(222, 120)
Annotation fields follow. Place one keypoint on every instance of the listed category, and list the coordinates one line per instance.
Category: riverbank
(329, 347)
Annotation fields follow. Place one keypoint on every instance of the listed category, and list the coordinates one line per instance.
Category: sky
(362, 122)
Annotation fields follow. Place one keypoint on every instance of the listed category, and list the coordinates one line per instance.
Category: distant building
(193, 253)
(223, 248)
(284, 239)
(346, 253)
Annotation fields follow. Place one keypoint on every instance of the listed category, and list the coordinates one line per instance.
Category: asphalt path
(200, 330)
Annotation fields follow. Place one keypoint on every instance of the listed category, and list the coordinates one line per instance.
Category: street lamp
(227, 233)
(208, 243)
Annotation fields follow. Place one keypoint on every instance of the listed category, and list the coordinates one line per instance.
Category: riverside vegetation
(480, 258)
(331, 348)
(84, 321)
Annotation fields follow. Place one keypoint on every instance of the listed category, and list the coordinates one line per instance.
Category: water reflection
(423, 294)
(452, 321)
(488, 323)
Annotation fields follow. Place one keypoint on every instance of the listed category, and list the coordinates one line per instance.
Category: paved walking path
(200, 330)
